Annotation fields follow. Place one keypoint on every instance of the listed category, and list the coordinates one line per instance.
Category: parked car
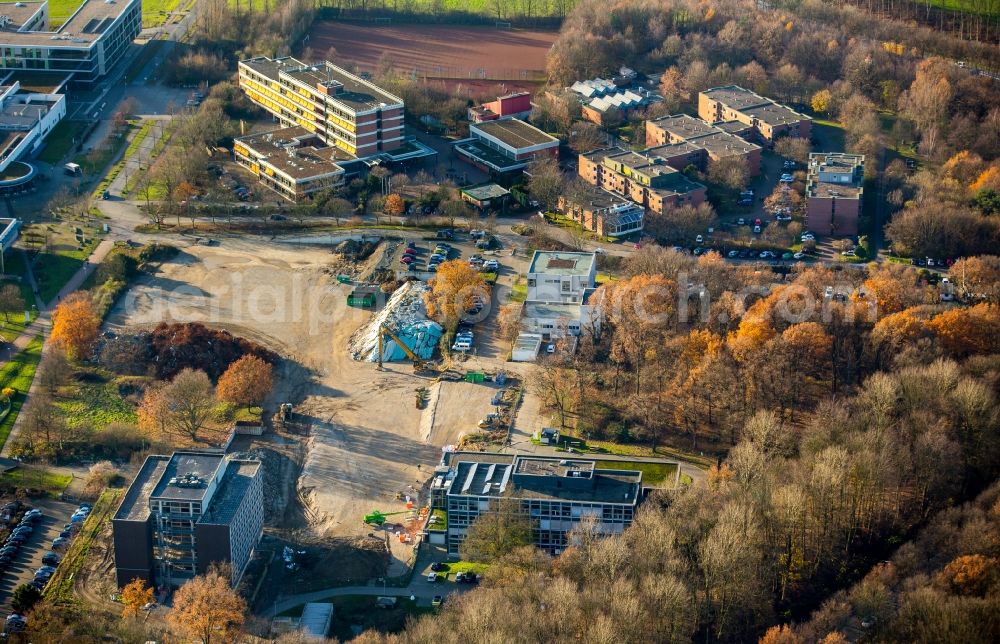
(406, 259)
(756, 229)
(60, 542)
(432, 577)
(783, 217)
(15, 623)
(787, 178)
(437, 565)
(733, 253)
(798, 255)
(699, 239)
(437, 600)
(51, 559)
(491, 265)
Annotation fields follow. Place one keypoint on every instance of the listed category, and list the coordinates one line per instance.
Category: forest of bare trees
(977, 20)
(798, 511)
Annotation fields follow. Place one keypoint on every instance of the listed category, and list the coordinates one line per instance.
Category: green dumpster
(475, 376)
(344, 279)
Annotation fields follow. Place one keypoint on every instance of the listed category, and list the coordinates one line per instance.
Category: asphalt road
(29, 556)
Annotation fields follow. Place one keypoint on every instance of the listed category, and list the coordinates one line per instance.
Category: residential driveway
(29, 556)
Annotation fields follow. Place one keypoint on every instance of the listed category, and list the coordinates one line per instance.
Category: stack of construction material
(406, 315)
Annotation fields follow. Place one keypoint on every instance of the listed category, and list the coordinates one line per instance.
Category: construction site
(374, 403)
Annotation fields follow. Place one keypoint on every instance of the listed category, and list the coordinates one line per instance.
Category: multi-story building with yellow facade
(334, 123)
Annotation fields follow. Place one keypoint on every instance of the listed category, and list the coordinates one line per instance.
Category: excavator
(375, 517)
(383, 332)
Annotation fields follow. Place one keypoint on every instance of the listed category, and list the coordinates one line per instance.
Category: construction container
(363, 296)
(344, 279)
(475, 376)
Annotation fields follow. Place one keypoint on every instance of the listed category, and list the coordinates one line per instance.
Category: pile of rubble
(354, 250)
(406, 315)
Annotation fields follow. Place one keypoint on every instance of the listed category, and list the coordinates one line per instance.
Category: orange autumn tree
(394, 205)
(965, 331)
(207, 608)
(452, 291)
(247, 381)
(135, 595)
(75, 325)
(969, 575)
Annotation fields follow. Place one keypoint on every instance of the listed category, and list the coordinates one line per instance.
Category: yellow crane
(383, 332)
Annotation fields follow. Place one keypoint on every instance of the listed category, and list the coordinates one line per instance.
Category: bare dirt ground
(364, 439)
(440, 51)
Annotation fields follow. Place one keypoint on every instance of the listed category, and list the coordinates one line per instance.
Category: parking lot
(22, 569)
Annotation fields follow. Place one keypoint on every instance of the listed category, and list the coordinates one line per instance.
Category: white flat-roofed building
(555, 493)
(560, 277)
(87, 46)
(25, 120)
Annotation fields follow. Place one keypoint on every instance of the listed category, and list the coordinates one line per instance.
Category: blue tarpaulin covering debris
(406, 316)
(420, 337)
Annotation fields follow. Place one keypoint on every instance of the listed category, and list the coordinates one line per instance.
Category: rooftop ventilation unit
(187, 480)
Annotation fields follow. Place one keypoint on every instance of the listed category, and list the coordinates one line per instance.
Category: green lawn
(36, 478)
(442, 522)
(61, 10)
(133, 146)
(154, 12)
(830, 134)
(969, 6)
(97, 159)
(519, 291)
(9, 330)
(53, 269)
(652, 473)
(18, 373)
(14, 265)
(60, 140)
(456, 567)
(96, 402)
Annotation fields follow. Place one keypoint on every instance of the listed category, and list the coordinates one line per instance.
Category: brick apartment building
(834, 190)
(603, 213)
(644, 178)
(769, 119)
(183, 513)
(555, 493)
(327, 115)
(505, 146)
(514, 105)
(684, 140)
